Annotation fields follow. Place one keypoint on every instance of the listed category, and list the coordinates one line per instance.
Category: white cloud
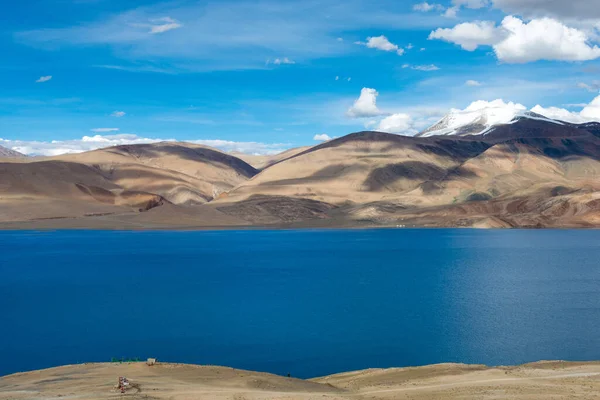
(427, 68)
(322, 137)
(591, 112)
(558, 113)
(87, 143)
(165, 24)
(471, 82)
(451, 12)
(407, 122)
(118, 114)
(256, 148)
(381, 43)
(284, 60)
(365, 105)
(101, 130)
(543, 39)
(397, 123)
(426, 7)
(409, 46)
(518, 42)
(497, 104)
(593, 87)
(44, 78)
(470, 35)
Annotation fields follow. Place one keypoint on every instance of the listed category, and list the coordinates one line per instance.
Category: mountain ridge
(530, 173)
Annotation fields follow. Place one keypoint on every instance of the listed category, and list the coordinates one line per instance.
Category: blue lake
(308, 303)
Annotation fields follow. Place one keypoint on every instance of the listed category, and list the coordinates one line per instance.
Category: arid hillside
(116, 180)
(385, 179)
(522, 174)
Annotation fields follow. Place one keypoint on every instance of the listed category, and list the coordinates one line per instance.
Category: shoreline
(83, 224)
(539, 380)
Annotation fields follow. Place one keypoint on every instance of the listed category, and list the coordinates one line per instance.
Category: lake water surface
(308, 303)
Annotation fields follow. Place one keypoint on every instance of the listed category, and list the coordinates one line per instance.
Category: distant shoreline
(85, 224)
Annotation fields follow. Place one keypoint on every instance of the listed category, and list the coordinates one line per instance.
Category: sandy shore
(542, 380)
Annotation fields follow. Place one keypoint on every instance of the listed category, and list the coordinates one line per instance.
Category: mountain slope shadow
(383, 177)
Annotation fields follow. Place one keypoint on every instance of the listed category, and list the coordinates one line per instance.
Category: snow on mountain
(4, 152)
(480, 117)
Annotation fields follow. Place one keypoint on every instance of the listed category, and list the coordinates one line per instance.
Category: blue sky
(261, 76)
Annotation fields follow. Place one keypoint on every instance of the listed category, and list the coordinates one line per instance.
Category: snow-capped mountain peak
(4, 152)
(480, 117)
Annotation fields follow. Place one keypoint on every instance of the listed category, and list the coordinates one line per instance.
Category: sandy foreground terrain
(543, 380)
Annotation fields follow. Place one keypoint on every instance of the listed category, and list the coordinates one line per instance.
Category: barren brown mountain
(529, 173)
(116, 180)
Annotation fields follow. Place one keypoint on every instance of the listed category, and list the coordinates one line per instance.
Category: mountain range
(476, 168)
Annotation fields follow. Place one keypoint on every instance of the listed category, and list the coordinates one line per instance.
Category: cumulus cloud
(591, 112)
(381, 43)
(88, 143)
(322, 137)
(470, 35)
(427, 68)
(101, 130)
(118, 114)
(397, 123)
(471, 82)
(515, 41)
(543, 39)
(43, 79)
(365, 105)
(426, 7)
(407, 122)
